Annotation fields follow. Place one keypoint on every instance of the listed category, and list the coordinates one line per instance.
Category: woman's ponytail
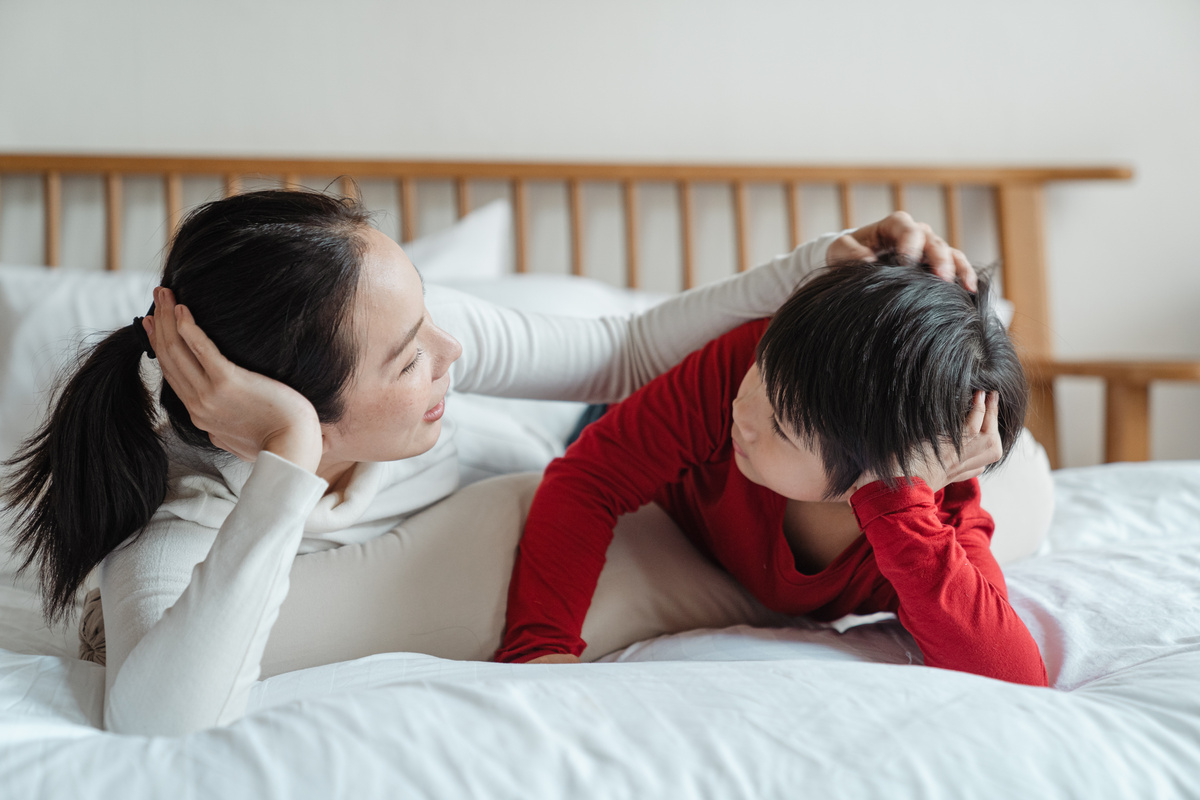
(93, 474)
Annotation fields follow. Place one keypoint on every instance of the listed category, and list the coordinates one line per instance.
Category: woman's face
(396, 398)
(770, 455)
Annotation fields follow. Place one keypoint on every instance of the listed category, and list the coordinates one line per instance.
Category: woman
(322, 370)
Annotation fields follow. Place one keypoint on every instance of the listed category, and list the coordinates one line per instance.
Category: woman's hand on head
(899, 232)
(981, 446)
(243, 412)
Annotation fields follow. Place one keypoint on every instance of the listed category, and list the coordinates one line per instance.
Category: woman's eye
(778, 430)
(413, 364)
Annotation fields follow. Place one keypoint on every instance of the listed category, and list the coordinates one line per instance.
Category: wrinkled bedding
(1113, 601)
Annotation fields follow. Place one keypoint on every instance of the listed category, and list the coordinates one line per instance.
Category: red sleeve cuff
(877, 499)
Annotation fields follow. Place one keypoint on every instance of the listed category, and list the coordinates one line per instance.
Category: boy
(826, 458)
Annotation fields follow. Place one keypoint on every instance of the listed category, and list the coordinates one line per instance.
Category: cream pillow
(438, 584)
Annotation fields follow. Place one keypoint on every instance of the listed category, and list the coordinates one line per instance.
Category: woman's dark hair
(271, 277)
(868, 362)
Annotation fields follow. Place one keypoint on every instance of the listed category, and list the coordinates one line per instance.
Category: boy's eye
(413, 364)
(778, 430)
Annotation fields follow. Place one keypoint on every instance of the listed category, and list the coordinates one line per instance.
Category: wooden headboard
(1018, 197)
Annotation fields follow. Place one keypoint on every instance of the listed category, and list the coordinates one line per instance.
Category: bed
(1112, 598)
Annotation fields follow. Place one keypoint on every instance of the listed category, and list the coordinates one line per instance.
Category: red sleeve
(951, 592)
(616, 466)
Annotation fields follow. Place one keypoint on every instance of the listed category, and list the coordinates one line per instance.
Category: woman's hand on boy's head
(899, 232)
(981, 446)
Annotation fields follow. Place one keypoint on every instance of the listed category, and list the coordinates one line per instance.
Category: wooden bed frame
(1018, 194)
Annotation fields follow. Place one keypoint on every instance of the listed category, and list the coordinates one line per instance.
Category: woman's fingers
(966, 272)
(939, 256)
(202, 347)
(849, 248)
(179, 364)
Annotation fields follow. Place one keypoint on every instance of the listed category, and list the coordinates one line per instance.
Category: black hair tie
(145, 337)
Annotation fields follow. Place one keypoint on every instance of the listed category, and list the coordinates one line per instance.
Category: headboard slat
(408, 210)
(740, 212)
(792, 205)
(520, 222)
(629, 196)
(685, 234)
(462, 196)
(846, 199)
(52, 199)
(113, 207)
(173, 195)
(575, 212)
(950, 197)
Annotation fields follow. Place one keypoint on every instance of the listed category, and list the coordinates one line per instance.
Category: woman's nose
(448, 352)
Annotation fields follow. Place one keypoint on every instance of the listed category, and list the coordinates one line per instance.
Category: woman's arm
(185, 644)
(950, 590)
(516, 354)
(188, 610)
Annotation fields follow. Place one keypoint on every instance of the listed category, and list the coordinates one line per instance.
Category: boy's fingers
(992, 416)
(977, 416)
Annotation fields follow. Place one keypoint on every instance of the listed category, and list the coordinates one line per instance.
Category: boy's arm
(951, 592)
(615, 467)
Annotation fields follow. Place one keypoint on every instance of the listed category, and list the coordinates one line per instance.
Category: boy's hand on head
(981, 446)
(899, 232)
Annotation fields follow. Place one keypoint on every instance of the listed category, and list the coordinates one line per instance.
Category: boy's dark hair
(869, 361)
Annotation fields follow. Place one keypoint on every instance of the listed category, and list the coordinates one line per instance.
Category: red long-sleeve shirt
(924, 555)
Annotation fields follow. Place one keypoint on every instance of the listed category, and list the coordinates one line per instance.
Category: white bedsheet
(805, 712)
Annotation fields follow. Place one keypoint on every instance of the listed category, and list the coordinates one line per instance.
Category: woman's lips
(737, 448)
(435, 413)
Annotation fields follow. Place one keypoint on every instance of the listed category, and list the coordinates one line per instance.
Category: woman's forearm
(183, 658)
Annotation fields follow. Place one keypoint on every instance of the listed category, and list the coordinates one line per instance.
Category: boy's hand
(901, 233)
(555, 658)
(981, 446)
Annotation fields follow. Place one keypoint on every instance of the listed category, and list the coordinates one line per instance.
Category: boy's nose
(739, 419)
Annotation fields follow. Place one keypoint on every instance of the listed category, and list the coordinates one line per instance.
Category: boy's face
(768, 453)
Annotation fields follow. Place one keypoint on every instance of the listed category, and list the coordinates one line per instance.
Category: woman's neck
(336, 474)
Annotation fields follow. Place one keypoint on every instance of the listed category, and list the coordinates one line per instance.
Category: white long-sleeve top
(190, 601)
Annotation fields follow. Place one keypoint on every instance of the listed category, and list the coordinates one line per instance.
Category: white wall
(1046, 81)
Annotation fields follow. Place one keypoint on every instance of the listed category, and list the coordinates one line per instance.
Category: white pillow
(477, 246)
(45, 314)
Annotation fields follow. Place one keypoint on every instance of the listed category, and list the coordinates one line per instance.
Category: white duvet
(805, 712)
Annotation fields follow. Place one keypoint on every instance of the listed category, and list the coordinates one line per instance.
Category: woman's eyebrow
(398, 349)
